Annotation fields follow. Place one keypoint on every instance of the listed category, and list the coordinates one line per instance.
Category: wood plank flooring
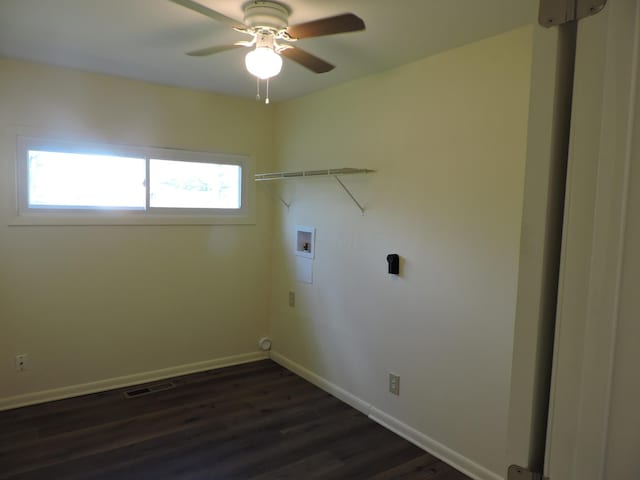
(256, 421)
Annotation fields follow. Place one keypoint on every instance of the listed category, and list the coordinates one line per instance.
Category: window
(63, 180)
(92, 183)
(175, 184)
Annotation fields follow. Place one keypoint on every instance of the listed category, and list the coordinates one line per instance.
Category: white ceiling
(146, 39)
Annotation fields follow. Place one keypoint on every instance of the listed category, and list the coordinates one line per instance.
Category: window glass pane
(77, 180)
(194, 185)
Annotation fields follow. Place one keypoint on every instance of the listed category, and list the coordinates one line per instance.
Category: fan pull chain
(266, 100)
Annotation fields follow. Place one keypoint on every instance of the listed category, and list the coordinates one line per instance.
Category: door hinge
(520, 473)
(557, 12)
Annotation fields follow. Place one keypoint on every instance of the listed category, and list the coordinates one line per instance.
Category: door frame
(588, 266)
(601, 148)
(540, 242)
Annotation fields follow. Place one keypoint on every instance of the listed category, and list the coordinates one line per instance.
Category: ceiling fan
(267, 22)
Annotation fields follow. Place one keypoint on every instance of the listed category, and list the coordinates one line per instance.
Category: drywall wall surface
(90, 303)
(447, 137)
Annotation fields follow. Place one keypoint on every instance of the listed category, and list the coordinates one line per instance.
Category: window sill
(130, 220)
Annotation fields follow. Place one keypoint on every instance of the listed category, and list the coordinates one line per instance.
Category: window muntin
(69, 183)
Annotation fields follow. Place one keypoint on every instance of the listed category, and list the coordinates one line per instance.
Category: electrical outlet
(292, 299)
(21, 362)
(394, 384)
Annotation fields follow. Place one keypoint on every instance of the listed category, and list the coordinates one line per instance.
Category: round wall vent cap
(265, 344)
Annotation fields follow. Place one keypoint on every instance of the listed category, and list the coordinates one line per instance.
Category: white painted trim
(147, 215)
(444, 453)
(604, 105)
(125, 381)
(630, 152)
(321, 382)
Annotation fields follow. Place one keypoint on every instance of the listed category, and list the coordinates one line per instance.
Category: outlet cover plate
(21, 362)
(394, 384)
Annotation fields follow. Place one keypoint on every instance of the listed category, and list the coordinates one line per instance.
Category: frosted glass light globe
(263, 62)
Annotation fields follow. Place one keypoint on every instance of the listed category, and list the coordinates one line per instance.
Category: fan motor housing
(266, 14)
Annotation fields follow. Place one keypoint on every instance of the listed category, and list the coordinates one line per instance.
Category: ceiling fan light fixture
(263, 62)
(267, 22)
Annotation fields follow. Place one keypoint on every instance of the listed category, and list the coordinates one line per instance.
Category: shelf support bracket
(350, 194)
(279, 197)
(283, 202)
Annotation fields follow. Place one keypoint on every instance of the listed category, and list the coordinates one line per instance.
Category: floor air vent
(139, 392)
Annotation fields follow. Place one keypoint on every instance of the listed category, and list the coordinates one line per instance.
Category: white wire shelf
(260, 177)
(330, 172)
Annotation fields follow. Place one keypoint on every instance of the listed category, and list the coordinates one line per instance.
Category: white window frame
(122, 216)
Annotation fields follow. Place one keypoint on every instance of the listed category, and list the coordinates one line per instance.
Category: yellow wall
(447, 136)
(94, 303)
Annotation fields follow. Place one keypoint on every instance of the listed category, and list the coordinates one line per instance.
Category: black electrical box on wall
(394, 263)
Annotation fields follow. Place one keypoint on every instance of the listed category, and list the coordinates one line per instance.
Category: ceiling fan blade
(347, 22)
(196, 7)
(203, 52)
(307, 60)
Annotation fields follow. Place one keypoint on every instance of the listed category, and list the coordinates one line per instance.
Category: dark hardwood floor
(255, 421)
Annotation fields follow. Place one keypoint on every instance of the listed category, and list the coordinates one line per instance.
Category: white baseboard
(324, 384)
(444, 453)
(125, 381)
(437, 449)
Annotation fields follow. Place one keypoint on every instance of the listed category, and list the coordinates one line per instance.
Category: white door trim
(604, 105)
(547, 144)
